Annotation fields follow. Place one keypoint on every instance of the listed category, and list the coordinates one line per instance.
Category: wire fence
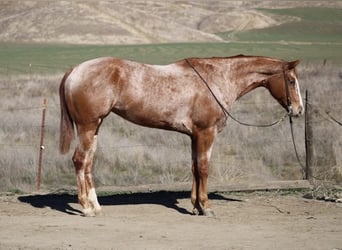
(129, 155)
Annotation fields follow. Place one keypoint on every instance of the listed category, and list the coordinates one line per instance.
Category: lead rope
(295, 149)
(226, 112)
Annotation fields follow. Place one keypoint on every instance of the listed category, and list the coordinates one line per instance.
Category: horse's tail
(67, 124)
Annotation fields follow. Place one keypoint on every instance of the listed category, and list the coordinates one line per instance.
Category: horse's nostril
(301, 110)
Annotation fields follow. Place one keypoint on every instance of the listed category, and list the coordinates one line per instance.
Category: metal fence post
(41, 146)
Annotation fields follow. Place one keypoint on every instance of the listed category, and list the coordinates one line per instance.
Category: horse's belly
(169, 119)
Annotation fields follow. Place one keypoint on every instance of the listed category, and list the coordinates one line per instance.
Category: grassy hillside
(311, 25)
(137, 22)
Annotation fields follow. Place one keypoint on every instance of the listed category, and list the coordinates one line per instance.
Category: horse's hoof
(195, 211)
(88, 212)
(209, 212)
(98, 211)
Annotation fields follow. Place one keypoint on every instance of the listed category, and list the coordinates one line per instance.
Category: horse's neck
(237, 76)
(249, 73)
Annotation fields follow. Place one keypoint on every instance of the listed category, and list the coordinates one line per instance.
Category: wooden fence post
(308, 138)
(41, 146)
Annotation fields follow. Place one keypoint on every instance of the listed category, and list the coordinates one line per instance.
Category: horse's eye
(292, 81)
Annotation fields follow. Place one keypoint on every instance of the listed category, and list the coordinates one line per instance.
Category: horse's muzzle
(295, 112)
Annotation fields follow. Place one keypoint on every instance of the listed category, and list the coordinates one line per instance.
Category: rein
(227, 113)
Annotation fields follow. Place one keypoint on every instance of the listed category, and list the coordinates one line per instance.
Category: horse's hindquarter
(88, 92)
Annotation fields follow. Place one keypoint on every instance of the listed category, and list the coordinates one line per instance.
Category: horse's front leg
(201, 144)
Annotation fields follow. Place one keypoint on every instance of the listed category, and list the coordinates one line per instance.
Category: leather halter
(287, 91)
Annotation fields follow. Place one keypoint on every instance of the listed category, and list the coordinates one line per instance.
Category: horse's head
(284, 88)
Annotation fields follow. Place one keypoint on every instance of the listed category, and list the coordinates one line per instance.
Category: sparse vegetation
(130, 155)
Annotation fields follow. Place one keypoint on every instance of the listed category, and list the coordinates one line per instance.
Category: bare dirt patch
(162, 220)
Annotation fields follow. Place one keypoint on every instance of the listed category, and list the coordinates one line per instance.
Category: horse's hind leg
(83, 160)
(92, 197)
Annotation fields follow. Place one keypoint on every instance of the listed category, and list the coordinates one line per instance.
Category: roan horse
(191, 96)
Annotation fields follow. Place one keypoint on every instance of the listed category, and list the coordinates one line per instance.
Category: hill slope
(133, 22)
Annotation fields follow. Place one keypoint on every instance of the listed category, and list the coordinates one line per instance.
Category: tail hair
(67, 133)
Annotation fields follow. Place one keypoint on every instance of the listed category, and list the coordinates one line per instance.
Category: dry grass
(128, 154)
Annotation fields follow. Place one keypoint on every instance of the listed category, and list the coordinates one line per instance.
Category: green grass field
(33, 58)
(309, 25)
(326, 15)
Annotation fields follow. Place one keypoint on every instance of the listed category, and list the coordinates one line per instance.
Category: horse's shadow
(63, 202)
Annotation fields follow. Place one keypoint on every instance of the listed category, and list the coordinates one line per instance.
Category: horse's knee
(203, 168)
(78, 160)
(203, 172)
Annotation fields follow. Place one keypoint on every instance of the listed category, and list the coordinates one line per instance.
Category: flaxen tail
(66, 124)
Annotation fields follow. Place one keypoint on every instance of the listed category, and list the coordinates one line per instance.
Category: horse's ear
(293, 64)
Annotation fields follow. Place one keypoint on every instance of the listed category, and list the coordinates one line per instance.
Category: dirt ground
(162, 220)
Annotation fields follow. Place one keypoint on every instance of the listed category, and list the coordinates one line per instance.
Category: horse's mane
(263, 68)
(239, 56)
